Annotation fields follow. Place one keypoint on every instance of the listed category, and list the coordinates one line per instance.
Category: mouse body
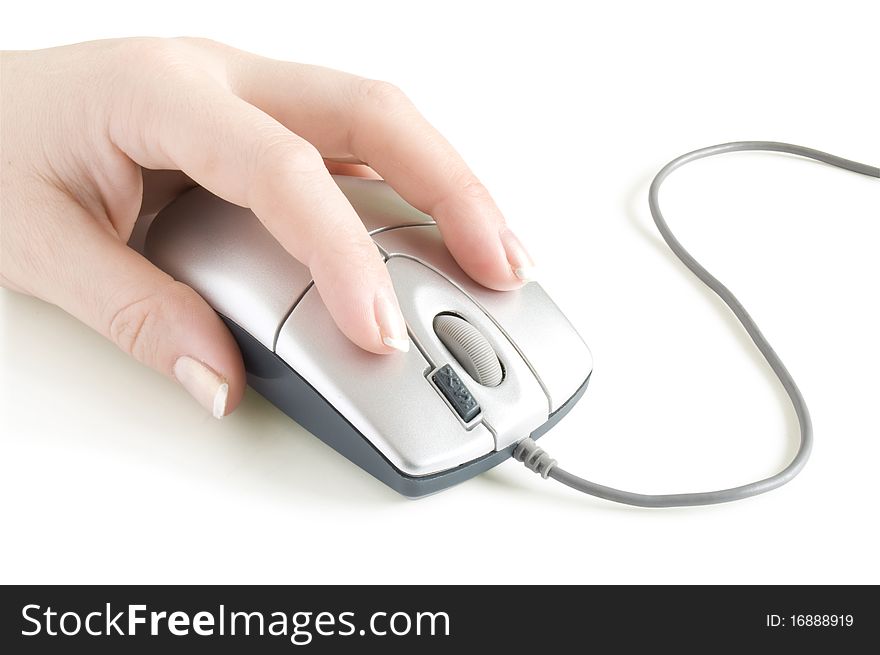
(487, 368)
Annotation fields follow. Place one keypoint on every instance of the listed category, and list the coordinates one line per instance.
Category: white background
(110, 473)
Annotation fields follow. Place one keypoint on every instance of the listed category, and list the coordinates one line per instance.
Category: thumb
(158, 321)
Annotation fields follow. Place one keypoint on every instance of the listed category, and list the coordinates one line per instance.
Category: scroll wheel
(470, 348)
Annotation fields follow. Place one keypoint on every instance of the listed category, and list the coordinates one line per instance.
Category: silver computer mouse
(488, 367)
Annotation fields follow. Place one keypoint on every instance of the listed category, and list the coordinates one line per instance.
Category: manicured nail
(392, 327)
(203, 383)
(520, 262)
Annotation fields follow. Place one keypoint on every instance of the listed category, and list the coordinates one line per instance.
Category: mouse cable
(534, 458)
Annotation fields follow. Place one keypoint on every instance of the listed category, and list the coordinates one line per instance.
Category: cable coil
(538, 461)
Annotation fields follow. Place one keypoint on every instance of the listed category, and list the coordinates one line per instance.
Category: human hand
(84, 127)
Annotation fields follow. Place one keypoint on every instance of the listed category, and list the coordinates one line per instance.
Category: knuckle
(463, 187)
(289, 154)
(156, 62)
(472, 189)
(127, 326)
(154, 51)
(381, 95)
(375, 103)
(135, 327)
(347, 256)
(201, 42)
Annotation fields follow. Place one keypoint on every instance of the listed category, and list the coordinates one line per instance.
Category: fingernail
(520, 262)
(392, 327)
(203, 383)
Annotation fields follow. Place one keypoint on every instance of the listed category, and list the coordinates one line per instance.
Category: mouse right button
(553, 348)
(514, 407)
(378, 205)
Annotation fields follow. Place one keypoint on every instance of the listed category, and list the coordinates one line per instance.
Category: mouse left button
(386, 399)
(226, 255)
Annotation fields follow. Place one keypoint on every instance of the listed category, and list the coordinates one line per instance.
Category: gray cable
(534, 458)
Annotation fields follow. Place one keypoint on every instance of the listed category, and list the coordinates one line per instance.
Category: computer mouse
(488, 368)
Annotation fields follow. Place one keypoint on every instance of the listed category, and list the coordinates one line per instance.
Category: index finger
(190, 122)
(347, 116)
